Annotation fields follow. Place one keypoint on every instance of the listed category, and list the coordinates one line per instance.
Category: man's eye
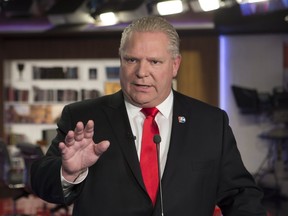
(131, 60)
(154, 62)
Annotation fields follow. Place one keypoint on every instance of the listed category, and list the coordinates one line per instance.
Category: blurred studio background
(53, 52)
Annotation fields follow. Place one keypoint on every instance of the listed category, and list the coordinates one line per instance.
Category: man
(95, 161)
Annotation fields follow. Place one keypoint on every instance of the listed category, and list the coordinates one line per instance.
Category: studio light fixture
(111, 12)
(209, 5)
(108, 18)
(135, 13)
(65, 12)
(171, 7)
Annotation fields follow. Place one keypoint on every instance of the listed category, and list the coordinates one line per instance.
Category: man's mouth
(142, 86)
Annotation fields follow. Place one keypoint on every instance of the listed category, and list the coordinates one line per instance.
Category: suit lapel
(119, 121)
(180, 127)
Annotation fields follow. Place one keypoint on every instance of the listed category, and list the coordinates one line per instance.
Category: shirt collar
(165, 107)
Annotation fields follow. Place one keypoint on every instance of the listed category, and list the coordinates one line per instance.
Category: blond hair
(152, 24)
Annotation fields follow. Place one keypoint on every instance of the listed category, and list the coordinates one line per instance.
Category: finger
(101, 147)
(79, 131)
(69, 139)
(89, 129)
(62, 146)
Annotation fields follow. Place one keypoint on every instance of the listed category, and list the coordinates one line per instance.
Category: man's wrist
(76, 178)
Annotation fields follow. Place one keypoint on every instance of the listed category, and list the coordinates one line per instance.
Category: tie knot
(150, 111)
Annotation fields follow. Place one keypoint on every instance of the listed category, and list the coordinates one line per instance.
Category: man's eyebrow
(158, 58)
(128, 55)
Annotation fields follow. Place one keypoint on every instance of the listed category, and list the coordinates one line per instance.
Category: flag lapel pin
(181, 119)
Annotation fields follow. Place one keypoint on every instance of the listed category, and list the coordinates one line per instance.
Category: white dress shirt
(163, 120)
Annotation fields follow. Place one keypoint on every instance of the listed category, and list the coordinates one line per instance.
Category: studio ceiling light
(170, 7)
(108, 18)
(111, 12)
(209, 5)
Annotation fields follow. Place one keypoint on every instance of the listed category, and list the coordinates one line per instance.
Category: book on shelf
(111, 87)
(55, 73)
(67, 95)
(89, 94)
(42, 95)
(112, 72)
(54, 95)
(12, 94)
(25, 114)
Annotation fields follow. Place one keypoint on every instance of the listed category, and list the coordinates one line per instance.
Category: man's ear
(176, 65)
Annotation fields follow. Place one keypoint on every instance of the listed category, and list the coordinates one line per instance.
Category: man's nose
(142, 70)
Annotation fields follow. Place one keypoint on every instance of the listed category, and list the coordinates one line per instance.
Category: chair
(30, 153)
(12, 175)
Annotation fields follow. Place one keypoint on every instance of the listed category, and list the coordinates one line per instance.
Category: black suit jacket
(203, 168)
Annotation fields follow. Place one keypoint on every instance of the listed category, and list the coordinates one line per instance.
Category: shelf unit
(35, 97)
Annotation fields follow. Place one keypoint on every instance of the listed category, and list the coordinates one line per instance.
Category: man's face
(147, 69)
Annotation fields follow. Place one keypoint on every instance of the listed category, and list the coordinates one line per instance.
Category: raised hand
(79, 150)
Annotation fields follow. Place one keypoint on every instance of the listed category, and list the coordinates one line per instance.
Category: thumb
(101, 147)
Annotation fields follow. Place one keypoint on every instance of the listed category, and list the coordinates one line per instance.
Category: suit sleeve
(238, 194)
(45, 173)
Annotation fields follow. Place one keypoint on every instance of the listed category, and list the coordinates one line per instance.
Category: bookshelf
(35, 91)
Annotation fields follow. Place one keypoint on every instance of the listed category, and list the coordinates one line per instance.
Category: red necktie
(148, 155)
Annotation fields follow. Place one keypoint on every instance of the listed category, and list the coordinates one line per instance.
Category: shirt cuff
(78, 179)
(67, 185)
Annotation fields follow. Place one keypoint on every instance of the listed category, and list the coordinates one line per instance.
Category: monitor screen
(246, 99)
